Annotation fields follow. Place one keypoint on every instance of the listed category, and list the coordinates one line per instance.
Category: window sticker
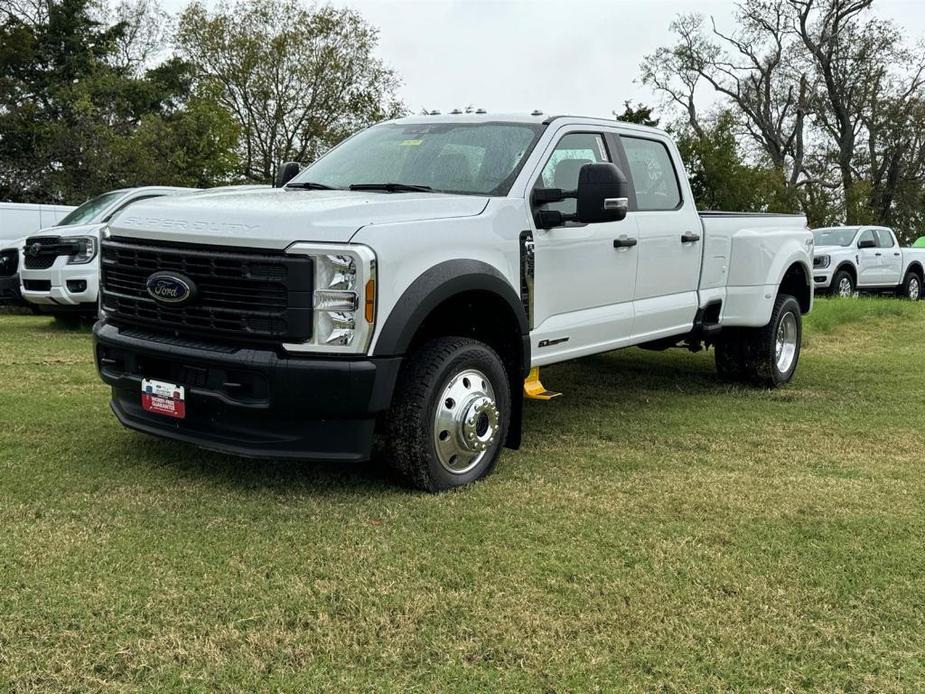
(411, 143)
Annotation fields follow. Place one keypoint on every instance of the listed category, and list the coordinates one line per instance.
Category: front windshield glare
(90, 210)
(834, 237)
(475, 159)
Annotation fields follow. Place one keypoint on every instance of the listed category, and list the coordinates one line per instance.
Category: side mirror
(286, 172)
(603, 194)
(867, 243)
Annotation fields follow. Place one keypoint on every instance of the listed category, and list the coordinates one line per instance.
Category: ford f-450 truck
(407, 285)
(867, 258)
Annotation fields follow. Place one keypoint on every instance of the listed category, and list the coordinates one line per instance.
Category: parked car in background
(18, 220)
(411, 279)
(9, 273)
(59, 267)
(870, 258)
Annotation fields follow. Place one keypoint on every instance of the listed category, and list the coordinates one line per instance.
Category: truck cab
(408, 285)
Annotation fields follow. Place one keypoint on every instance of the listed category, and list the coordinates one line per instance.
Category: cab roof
(535, 118)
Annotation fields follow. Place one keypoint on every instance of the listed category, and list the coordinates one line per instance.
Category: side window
(867, 235)
(654, 175)
(886, 239)
(561, 171)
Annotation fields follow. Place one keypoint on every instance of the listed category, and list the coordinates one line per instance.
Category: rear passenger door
(670, 238)
(891, 261)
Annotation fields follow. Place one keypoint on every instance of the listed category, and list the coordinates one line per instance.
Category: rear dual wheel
(766, 356)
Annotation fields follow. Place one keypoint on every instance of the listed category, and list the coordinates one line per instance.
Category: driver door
(583, 284)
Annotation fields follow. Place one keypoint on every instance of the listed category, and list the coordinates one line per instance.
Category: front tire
(450, 414)
(771, 353)
(912, 287)
(842, 285)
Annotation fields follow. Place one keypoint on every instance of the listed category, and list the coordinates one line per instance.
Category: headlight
(344, 299)
(87, 248)
(822, 261)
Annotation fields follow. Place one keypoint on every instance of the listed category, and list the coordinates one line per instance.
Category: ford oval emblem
(171, 288)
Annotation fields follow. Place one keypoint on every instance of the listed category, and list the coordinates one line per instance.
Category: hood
(276, 218)
(71, 230)
(825, 250)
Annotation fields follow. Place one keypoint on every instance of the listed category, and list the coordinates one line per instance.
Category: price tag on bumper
(163, 398)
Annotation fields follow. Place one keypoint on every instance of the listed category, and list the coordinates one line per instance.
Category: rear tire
(912, 287)
(842, 285)
(450, 414)
(771, 353)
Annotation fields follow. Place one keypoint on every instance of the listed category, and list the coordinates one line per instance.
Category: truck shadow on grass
(633, 379)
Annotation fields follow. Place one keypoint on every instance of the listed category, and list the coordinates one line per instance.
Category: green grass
(658, 530)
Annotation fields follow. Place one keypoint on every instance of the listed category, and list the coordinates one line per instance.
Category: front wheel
(912, 287)
(842, 284)
(771, 353)
(450, 414)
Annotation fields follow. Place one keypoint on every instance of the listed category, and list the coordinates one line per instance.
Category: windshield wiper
(391, 187)
(309, 185)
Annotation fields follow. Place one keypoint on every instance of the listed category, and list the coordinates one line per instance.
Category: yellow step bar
(534, 390)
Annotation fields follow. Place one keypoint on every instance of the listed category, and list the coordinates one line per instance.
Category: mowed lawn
(658, 530)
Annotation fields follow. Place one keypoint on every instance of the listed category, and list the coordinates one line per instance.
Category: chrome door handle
(689, 237)
(624, 243)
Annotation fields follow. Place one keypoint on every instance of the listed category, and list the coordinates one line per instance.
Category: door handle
(624, 243)
(897, 254)
(878, 254)
(689, 237)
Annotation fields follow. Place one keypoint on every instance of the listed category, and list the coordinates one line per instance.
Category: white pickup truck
(868, 258)
(59, 266)
(410, 282)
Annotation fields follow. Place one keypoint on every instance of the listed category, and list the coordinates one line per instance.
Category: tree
(721, 179)
(76, 121)
(295, 80)
(641, 115)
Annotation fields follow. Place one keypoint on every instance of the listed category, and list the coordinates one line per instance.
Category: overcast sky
(560, 56)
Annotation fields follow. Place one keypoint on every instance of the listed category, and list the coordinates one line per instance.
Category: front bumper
(248, 401)
(822, 278)
(75, 286)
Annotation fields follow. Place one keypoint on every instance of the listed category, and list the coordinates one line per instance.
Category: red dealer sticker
(163, 398)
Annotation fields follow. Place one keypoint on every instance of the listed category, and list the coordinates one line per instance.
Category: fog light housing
(77, 286)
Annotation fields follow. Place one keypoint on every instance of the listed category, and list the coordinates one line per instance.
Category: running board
(534, 390)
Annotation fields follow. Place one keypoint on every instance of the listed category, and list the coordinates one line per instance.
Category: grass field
(658, 530)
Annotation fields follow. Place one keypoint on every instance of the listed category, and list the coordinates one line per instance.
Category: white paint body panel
(19, 220)
(598, 296)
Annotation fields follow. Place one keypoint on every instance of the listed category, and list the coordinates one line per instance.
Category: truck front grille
(241, 293)
(42, 251)
(9, 262)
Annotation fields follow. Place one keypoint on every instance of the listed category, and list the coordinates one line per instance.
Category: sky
(558, 56)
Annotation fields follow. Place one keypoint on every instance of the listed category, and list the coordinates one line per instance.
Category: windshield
(834, 237)
(473, 159)
(90, 210)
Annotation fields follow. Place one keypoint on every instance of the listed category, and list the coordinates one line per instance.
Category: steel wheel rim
(785, 348)
(467, 422)
(914, 288)
(844, 287)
